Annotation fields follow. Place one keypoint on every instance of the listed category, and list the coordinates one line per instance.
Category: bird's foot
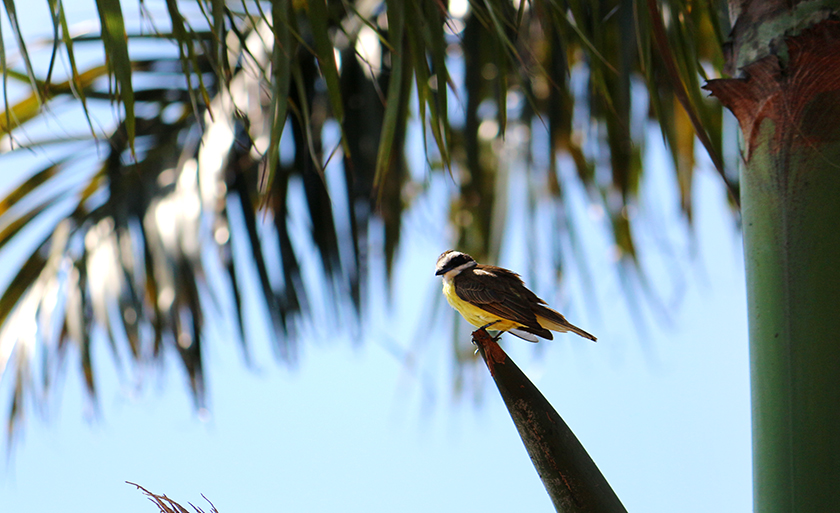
(482, 335)
(488, 325)
(498, 334)
(484, 329)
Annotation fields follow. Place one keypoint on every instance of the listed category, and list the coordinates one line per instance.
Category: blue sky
(663, 412)
(370, 421)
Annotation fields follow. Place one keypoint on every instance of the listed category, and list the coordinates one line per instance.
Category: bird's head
(453, 262)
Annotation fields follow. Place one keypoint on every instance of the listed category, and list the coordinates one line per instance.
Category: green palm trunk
(790, 199)
(791, 225)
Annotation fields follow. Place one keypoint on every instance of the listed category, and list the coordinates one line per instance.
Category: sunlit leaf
(393, 107)
(319, 17)
(684, 93)
(115, 41)
(282, 54)
(76, 82)
(35, 84)
(189, 63)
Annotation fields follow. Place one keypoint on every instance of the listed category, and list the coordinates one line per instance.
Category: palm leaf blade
(115, 41)
(568, 473)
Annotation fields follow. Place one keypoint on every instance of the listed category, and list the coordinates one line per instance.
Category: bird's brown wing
(502, 293)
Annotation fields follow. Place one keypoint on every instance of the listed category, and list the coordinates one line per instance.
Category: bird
(495, 298)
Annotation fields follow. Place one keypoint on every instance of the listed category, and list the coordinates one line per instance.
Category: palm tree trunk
(788, 107)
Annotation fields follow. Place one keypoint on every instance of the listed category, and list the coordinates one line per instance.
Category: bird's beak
(439, 272)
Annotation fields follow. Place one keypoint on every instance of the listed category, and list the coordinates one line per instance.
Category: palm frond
(167, 505)
(132, 258)
(222, 147)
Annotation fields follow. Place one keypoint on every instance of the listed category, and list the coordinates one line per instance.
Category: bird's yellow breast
(473, 314)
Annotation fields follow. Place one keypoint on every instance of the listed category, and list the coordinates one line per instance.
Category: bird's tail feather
(557, 322)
